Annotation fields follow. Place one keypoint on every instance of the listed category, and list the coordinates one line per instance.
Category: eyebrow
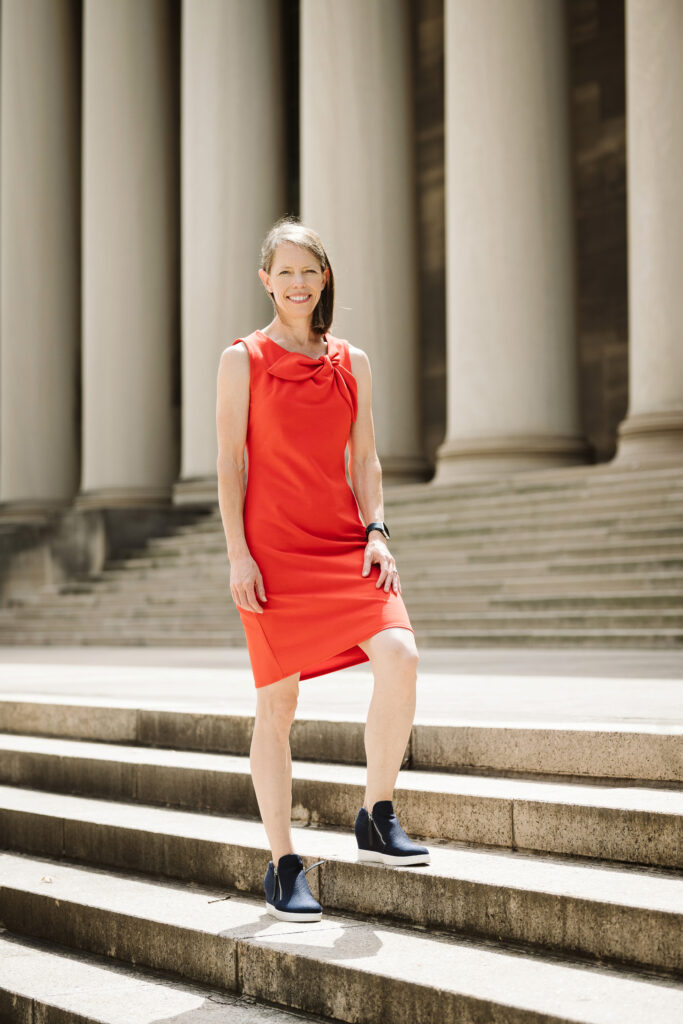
(308, 266)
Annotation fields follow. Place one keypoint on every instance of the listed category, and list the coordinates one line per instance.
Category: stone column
(130, 253)
(511, 348)
(358, 193)
(233, 189)
(653, 429)
(39, 255)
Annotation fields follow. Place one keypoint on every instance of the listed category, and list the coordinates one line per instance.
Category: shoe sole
(288, 915)
(389, 858)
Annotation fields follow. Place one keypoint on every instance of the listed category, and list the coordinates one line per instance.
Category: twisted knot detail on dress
(296, 366)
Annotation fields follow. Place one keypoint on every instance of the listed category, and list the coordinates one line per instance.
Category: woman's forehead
(289, 253)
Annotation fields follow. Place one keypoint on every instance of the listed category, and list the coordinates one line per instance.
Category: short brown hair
(290, 229)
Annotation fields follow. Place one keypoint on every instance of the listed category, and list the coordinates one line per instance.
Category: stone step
(559, 584)
(512, 490)
(517, 489)
(438, 608)
(558, 524)
(570, 618)
(563, 510)
(81, 637)
(43, 982)
(641, 606)
(431, 633)
(126, 585)
(459, 613)
(457, 552)
(642, 600)
(644, 752)
(547, 551)
(644, 537)
(666, 496)
(634, 591)
(660, 587)
(434, 634)
(165, 574)
(506, 491)
(634, 824)
(658, 528)
(622, 915)
(597, 561)
(462, 542)
(340, 967)
(640, 521)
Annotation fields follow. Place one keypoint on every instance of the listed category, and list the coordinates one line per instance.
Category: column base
(490, 456)
(651, 438)
(44, 544)
(37, 512)
(198, 490)
(123, 497)
(404, 469)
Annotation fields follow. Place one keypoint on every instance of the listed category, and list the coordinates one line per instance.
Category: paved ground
(469, 685)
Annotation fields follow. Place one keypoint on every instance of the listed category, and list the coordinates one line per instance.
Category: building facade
(496, 182)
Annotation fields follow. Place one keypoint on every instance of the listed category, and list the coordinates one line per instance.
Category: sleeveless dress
(301, 519)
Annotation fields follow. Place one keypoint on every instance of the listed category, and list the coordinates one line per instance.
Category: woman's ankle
(281, 853)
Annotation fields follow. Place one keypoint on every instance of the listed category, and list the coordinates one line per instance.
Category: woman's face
(296, 281)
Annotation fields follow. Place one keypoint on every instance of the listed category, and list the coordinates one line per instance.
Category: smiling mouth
(299, 299)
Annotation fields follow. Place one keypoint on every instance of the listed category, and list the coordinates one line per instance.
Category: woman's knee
(395, 644)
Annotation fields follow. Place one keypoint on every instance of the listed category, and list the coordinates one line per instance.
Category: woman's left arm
(366, 476)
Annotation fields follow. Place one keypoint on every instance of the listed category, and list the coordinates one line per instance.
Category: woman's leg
(270, 759)
(393, 656)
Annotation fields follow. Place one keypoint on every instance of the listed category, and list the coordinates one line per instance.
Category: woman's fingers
(245, 582)
(253, 604)
(245, 598)
(388, 575)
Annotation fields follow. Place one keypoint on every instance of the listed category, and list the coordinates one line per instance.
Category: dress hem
(336, 661)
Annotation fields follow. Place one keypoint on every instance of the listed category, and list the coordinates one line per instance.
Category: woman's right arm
(232, 415)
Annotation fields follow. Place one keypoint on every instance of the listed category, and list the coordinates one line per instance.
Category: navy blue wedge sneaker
(380, 837)
(287, 893)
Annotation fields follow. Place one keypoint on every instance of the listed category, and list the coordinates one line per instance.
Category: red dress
(301, 519)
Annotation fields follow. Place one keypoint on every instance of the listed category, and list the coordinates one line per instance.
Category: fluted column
(233, 179)
(358, 192)
(130, 253)
(39, 254)
(512, 374)
(653, 429)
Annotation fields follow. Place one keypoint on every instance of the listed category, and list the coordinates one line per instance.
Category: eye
(283, 272)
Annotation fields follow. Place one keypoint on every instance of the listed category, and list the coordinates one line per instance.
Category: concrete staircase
(131, 885)
(577, 557)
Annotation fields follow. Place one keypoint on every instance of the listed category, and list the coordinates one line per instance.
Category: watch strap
(382, 527)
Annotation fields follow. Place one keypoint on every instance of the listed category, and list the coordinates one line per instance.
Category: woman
(316, 590)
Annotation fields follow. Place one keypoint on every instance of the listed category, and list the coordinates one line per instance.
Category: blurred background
(497, 185)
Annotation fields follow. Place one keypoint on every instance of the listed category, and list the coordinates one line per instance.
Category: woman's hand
(377, 551)
(245, 582)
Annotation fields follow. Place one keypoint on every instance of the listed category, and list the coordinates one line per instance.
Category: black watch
(382, 527)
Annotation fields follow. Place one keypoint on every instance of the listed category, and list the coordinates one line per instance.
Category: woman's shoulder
(344, 343)
(356, 356)
(248, 344)
(247, 340)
